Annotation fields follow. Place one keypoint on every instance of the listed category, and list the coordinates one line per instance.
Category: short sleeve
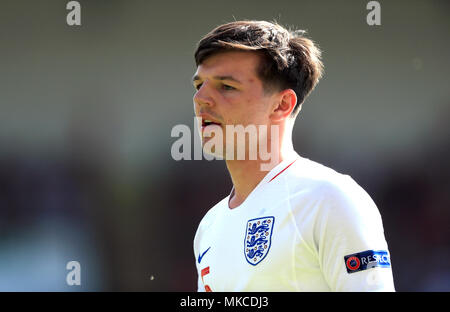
(352, 249)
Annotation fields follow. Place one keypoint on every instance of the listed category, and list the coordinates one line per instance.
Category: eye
(227, 87)
(198, 86)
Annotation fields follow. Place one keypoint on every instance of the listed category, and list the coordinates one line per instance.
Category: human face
(229, 92)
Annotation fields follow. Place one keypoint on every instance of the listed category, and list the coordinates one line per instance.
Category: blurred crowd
(135, 233)
(86, 114)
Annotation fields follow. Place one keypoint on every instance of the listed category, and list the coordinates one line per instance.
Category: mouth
(208, 122)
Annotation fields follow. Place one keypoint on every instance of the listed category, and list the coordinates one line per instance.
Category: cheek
(248, 108)
(257, 110)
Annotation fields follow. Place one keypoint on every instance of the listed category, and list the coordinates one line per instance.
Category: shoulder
(317, 178)
(328, 193)
(212, 213)
(209, 219)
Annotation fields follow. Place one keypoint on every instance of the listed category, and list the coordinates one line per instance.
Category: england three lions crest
(258, 237)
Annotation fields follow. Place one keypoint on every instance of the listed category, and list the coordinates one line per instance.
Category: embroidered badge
(258, 238)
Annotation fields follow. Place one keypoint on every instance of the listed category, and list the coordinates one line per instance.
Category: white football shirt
(305, 227)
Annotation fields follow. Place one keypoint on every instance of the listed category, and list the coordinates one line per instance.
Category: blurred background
(86, 114)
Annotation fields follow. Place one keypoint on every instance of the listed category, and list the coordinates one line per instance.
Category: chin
(212, 153)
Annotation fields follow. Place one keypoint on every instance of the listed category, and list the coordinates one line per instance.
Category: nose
(203, 96)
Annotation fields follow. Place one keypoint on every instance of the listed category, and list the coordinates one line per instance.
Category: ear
(284, 105)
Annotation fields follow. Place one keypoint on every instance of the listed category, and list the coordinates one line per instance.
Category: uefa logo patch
(367, 259)
(258, 238)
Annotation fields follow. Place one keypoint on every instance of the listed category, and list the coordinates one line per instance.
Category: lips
(209, 125)
(208, 121)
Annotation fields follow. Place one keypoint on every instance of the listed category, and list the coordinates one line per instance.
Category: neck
(247, 174)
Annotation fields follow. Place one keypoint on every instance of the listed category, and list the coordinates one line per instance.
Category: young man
(299, 226)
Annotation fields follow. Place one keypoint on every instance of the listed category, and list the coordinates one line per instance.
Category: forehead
(239, 64)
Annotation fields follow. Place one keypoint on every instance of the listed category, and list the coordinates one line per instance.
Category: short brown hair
(290, 60)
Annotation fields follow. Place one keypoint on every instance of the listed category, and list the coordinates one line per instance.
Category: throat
(245, 180)
(234, 201)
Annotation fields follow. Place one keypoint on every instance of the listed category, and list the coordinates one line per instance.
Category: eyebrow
(231, 78)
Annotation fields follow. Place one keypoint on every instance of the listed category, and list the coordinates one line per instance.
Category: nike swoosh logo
(200, 257)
